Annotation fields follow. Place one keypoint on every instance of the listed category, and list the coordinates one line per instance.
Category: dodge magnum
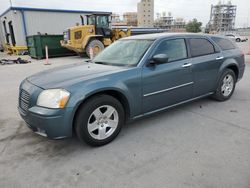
(132, 78)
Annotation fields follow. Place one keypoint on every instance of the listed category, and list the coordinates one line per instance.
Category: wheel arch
(229, 64)
(234, 68)
(112, 92)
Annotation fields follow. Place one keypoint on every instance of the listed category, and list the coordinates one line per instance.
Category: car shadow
(40, 147)
(165, 114)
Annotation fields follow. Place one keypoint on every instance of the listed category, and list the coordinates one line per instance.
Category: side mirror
(159, 59)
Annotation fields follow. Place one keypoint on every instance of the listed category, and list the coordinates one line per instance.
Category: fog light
(41, 132)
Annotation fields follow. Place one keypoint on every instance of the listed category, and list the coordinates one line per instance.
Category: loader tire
(96, 45)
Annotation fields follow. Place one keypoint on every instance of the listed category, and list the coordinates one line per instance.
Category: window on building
(175, 49)
(200, 47)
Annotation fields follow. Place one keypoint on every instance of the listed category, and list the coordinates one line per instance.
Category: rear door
(169, 83)
(206, 60)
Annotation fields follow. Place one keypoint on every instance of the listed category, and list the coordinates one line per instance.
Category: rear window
(200, 47)
(224, 44)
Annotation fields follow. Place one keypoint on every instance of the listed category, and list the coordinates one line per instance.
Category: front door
(170, 83)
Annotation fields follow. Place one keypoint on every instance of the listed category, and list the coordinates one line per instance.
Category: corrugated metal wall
(50, 22)
(18, 28)
(7, 18)
(17, 22)
(38, 21)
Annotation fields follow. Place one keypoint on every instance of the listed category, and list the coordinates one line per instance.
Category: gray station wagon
(134, 77)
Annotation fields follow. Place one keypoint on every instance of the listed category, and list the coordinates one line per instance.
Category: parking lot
(200, 144)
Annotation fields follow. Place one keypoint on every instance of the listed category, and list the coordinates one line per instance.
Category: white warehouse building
(19, 22)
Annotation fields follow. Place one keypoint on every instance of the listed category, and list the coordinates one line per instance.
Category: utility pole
(10, 3)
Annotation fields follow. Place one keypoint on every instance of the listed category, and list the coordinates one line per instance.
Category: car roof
(156, 36)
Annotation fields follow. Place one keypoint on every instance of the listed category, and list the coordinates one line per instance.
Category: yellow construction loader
(96, 34)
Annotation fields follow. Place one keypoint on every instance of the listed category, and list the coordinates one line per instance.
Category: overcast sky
(188, 9)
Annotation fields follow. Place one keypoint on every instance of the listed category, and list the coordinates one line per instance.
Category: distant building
(169, 22)
(130, 18)
(164, 21)
(115, 18)
(222, 17)
(145, 10)
(179, 25)
(117, 21)
(119, 24)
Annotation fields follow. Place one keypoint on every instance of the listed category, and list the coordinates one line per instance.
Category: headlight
(53, 98)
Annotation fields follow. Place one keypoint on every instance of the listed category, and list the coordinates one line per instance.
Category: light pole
(10, 3)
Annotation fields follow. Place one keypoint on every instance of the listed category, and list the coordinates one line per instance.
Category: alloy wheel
(227, 85)
(103, 122)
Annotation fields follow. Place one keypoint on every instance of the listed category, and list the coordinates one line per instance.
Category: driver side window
(175, 49)
(91, 20)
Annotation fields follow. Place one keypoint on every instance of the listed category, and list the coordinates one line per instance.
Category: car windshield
(123, 53)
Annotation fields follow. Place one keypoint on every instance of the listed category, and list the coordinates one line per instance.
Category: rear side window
(224, 44)
(200, 47)
(175, 49)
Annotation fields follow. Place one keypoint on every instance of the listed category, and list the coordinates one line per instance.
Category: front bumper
(51, 123)
(71, 47)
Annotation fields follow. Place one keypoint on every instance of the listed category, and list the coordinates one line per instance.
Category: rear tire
(99, 120)
(96, 45)
(226, 86)
(238, 40)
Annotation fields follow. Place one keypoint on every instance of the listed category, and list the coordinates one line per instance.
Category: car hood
(64, 76)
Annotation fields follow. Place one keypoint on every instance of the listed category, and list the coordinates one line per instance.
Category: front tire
(99, 120)
(226, 86)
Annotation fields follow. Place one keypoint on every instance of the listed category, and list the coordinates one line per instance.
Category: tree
(194, 26)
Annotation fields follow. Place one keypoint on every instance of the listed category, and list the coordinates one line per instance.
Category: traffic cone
(47, 56)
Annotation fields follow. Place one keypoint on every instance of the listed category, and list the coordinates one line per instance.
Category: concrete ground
(202, 144)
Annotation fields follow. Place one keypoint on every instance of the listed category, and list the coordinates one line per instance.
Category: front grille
(24, 100)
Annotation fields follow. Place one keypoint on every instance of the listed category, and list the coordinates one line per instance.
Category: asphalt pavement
(204, 144)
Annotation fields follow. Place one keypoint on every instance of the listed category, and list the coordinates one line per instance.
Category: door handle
(219, 58)
(186, 65)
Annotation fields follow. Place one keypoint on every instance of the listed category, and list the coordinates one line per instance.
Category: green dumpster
(36, 46)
